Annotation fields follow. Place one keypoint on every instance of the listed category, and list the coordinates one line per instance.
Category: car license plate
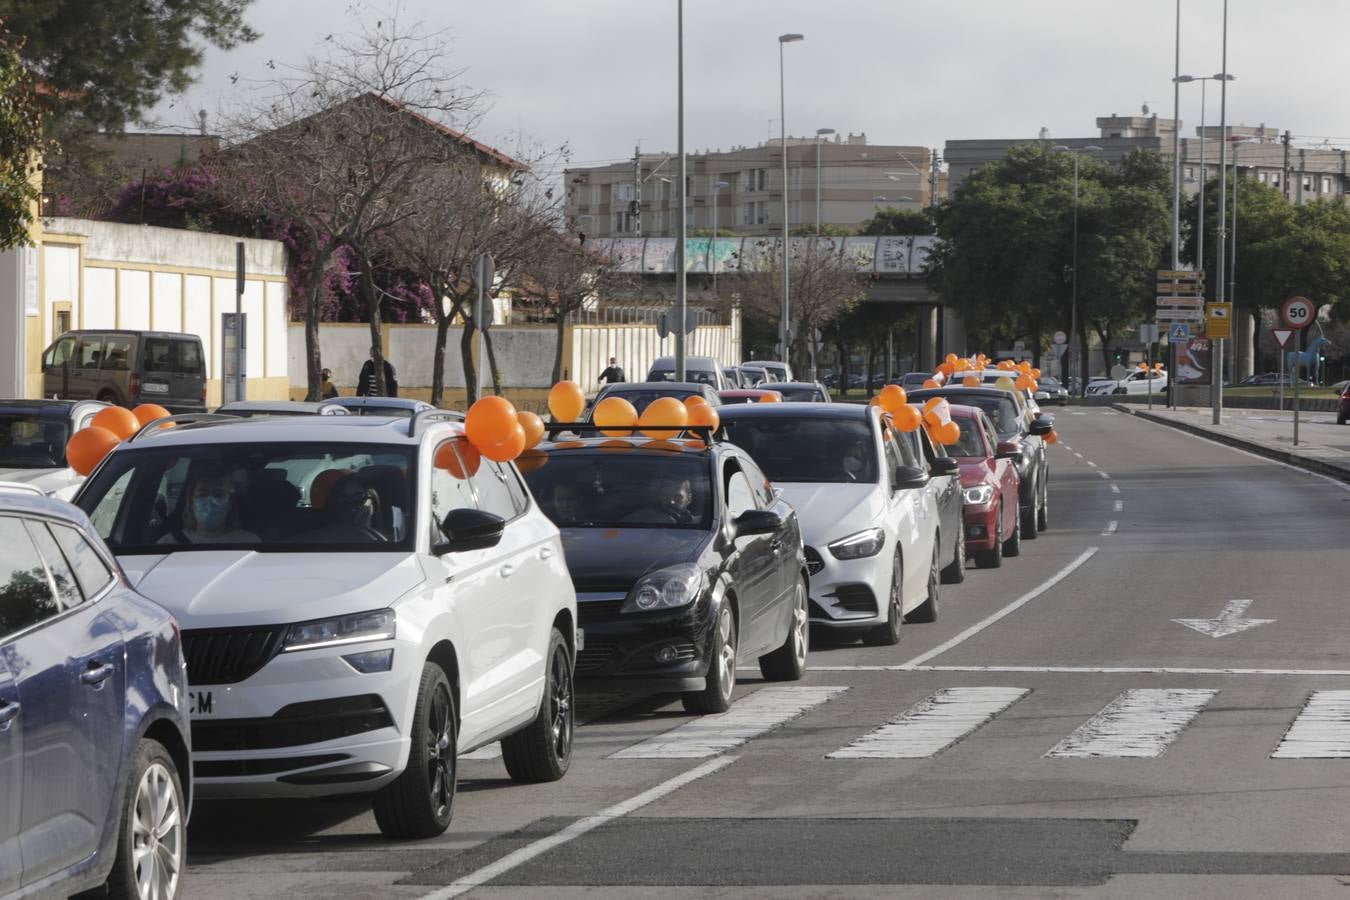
(201, 703)
(154, 388)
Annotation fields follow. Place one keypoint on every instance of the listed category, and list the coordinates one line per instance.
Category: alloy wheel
(560, 705)
(726, 659)
(157, 835)
(800, 626)
(440, 758)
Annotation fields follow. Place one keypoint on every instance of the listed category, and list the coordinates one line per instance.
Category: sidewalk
(1323, 446)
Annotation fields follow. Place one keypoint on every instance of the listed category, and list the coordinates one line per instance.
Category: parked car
(1270, 379)
(780, 371)
(361, 602)
(990, 484)
(1054, 391)
(913, 381)
(642, 393)
(94, 741)
(733, 377)
(1136, 382)
(754, 376)
(33, 437)
(1343, 406)
(247, 409)
(1018, 431)
(684, 561)
(127, 368)
(944, 483)
(803, 391)
(701, 369)
(401, 407)
(870, 522)
(747, 395)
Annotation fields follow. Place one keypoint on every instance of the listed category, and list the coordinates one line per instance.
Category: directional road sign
(1220, 320)
(1188, 302)
(1282, 336)
(1178, 332)
(1181, 275)
(1299, 312)
(1179, 315)
(1148, 333)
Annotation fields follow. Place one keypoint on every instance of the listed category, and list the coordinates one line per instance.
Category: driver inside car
(673, 496)
(353, 509)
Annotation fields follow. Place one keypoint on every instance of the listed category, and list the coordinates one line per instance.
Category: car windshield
(32, 442)
(807, 394)
(970, 443)
(807, 449)
(623, 490)
(1002, 411)
(371, 409)
(641, 399)
(701, 376)
(291, 497)
(1049, 381)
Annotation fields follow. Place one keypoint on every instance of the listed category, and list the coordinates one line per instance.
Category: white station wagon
(362, 600)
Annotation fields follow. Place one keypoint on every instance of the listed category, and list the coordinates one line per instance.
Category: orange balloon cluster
(109, 427)
(493, 426)
(566, 400)
(664, 411)
(615, 417)
(892, 398)
(937, 416)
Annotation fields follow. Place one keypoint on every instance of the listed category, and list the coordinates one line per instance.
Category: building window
(1307, 183)
(623, 191)
(761, 174)
(1262, 177)
(1326, 184)
(1190, 173)
(618, 223)
(1275, 179)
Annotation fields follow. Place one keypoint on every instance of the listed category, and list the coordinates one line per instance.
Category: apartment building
(839, 182)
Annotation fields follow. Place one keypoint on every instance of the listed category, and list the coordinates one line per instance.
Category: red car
(1343, 407)
(746, 395)
(990, 484)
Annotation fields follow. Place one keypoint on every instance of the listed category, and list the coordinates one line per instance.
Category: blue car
(95, 781)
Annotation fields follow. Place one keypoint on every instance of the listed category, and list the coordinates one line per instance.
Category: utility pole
(681, 288)
(637, 190)
(1285, 174)
(933, 181)
(1216, 344)
(1176, 151)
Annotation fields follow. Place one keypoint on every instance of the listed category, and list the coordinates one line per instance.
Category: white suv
(362, 600)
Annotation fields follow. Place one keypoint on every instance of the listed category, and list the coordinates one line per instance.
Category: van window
(173, 355)
(117, 354)
(88, 352)
(59, 353)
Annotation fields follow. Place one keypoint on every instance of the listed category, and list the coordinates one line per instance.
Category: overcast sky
(599, 75)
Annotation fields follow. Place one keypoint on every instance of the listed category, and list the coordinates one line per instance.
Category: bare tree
(337, 148)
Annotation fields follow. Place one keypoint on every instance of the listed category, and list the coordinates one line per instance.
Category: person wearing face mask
(353, 508)
(211, 513)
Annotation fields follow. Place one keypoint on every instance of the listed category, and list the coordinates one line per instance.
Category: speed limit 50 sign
(1298, 312)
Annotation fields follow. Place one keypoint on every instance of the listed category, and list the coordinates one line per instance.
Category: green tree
(110, 60)
(898, 221)
(20, 145)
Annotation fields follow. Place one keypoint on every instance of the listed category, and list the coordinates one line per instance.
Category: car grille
(229, 655)
(294, 725)
(239, 768)
(813, 561)
(589, 611)
(596, 654)
(855, 598)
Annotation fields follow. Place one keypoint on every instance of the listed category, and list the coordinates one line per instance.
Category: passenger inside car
(353, 509)
(210, 514)
(565, 503)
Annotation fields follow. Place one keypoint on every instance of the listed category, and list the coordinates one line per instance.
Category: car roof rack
(588, 429)
(185, 419)
(424, 417)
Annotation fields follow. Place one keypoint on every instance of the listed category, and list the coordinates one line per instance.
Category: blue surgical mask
(210, 512)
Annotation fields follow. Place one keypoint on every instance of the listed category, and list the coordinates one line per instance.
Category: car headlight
(668, 588)
(857, 546)
(979, 495)
(377, 625)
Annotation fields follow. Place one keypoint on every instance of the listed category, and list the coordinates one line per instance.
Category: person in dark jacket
(613, 374)
(327, 390)
(365, 382)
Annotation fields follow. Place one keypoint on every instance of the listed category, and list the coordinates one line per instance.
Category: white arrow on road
(1228, 622)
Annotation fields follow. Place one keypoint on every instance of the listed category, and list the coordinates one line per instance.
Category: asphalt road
(1055, 733)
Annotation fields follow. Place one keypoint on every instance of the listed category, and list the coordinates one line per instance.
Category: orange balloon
(87, 447)
(694, 400)
(507, 449)
(950, 433)
(771, 397)
(892, 397)
(704, 416)
(933, 403)
(1052, 437)
(946, 369)
(566, 400)
(149, 412)
(930, 383)
(950, 359)
(531, 460)
(1035, 373)
(971, 381)
(491, 421)
(664, 411)
(533, 425)
(117, 419)
(907, 418)
(1024, 382)
(615, 416)
(446, 459)
(961, 365)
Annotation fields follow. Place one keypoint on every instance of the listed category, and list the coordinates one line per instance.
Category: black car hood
(613, 559)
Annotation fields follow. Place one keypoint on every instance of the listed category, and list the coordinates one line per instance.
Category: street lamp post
(1200, 205)
(1216, 369)
(681, 286)
(785, 330)
(820, 133)
(1073, 267)
(712, 251)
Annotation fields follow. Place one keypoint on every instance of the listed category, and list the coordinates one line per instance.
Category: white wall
(100, 298)
(637, 346)
(61, 268)
(168, 306)
(133, 310)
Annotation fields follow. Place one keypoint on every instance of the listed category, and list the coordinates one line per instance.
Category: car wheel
(788, 662)
(927, 611)
(716, 694)
(1013, 545)
(993, 559)
(542, 750)
(1028, 515)
(1340, 418)
(1043, 513)
(889, 634)
(955, 572)
(152, 842)
(420, 802)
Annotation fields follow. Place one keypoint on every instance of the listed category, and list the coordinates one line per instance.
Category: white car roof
(352, 429)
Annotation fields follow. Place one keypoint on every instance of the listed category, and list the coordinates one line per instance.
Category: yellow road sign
(1220, 320)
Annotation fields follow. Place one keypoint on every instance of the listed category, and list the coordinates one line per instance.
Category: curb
(1285, 456)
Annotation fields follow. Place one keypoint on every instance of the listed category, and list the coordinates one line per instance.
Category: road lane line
(1091, 463)
(523, 855)
(1110, 528)
(1007, 610)
(1139, 724)
(750, 717)
(1079, 455)
(1321, 731)
(1092, 670)
(1104, 475)
(1119, 505)
(933, 724)
(1115, 489)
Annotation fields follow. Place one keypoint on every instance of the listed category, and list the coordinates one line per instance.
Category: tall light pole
(820, 133)
(1176, 150)
(714, 260)
(1216, 367)
(1073, 268)
(681, 288)
(1200, 205)
(785, 330)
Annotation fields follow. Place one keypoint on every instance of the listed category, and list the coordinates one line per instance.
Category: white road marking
(1092, 670)
(1104, 475)
(1007, 610)
(1110, 528)
(1067, 447)
(575, 830)
(1110, 412)
(1119, 505)
(1091, 463)
(750, 717)
(1227, 622)
(1078, 414)
(1321, 731)
(1115, 489)
(933, 724)
(1079, 455)
(1139, 724)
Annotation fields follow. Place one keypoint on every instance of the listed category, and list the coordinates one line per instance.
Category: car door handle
(546, 553)
(8, 713)
(96, 674)
(507, 570)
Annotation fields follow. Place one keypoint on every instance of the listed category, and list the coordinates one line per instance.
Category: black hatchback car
(685, 562)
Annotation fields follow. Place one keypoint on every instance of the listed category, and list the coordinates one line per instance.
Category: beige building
(638, 197)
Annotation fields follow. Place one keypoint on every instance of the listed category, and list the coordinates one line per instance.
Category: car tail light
(134, 384)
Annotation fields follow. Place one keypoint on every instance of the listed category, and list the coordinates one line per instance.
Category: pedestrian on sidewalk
(327, 390)
(613, 374)
(365, 382)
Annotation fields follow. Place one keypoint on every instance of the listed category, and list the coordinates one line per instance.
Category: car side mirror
(756, 521)
(469, 529)
(909, 477)
(1007, 450)
(1042, 426)
(945, 465)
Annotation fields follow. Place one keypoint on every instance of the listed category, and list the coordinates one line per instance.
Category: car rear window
(623, 490)
(806, 449)
(172, 356)
(32, 442)
(970, 444)
(643, 399)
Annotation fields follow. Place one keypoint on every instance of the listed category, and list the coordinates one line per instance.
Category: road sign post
(1298, 313)
(1282, 336)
